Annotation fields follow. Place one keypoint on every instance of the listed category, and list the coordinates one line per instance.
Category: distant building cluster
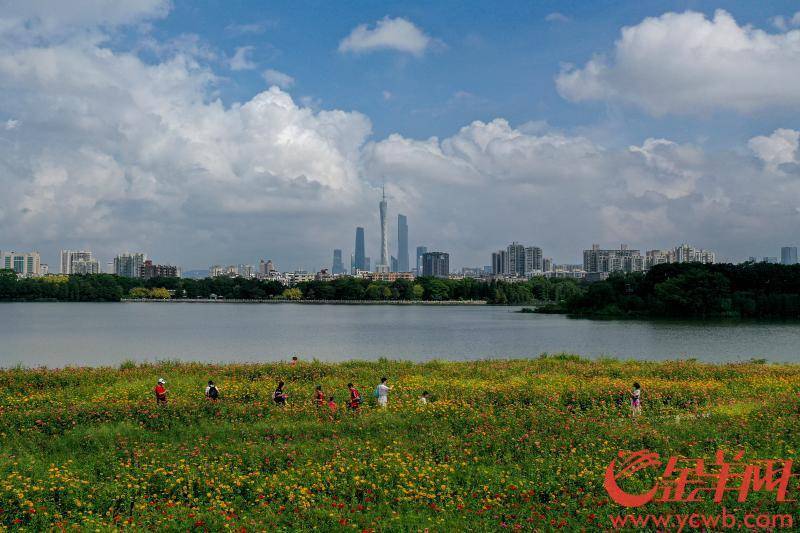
(518, 261)
(599, 263)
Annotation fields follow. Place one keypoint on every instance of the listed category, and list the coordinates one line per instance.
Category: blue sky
(225, 132)
(504, 55)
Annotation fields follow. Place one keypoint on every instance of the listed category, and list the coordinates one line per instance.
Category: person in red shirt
(161, 392)
(332, 404)
(319, 397)
(355, 397)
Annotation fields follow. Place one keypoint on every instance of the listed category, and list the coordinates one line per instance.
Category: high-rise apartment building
(360, 254)
(499, 262)
(338, 266)
(789, 255)
(26, 264)
(689, 254)
(78, 262)
(421, 250)
(128, 264)
(436, 264)
(515, 260)
(598, 263)
(534, 262)
(85, 266)
(148, 270)
(246, 271)
(518, 260)
(402, 244)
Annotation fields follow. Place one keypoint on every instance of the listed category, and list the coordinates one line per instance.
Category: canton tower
(384, 265)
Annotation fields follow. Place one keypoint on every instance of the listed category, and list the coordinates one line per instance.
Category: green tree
(292, 293)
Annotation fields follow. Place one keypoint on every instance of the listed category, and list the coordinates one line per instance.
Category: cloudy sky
(225, 132)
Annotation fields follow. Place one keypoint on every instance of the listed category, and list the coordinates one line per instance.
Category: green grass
(504, 444)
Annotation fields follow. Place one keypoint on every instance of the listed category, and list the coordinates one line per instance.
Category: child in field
(636, 400)
(294, 360)
(423, 400)
(382, 392)
(161, 392)
(279, 397)
(355, 397)
(332, 405)
(212, 392)
(319, 397)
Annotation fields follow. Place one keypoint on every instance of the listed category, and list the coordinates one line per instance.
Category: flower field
(504, 445)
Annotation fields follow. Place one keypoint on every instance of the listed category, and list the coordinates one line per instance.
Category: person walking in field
(161, 392)
(294, 360)
(212, 392)
(332, 405)
(319, 397)
(279, 397)
(355, 397)
(636, 400)
(424, 399)
(382, 392)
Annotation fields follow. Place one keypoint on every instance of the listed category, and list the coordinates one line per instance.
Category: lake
(61, 334)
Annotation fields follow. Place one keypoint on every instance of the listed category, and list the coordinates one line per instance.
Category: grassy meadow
(513, 445)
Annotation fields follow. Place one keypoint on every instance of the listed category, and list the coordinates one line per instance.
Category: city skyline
(177, 133)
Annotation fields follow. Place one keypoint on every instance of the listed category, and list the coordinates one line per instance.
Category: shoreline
(560, 358)
(308, 302)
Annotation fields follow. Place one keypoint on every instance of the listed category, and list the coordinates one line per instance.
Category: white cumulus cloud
(398, 34)
(686, 63)
(777, 149)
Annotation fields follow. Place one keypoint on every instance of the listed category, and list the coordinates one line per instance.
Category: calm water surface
(60, 334)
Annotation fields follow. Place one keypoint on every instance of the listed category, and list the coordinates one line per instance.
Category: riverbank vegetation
(503, 444)
(686, 291)
(110, 288)
(693, 290)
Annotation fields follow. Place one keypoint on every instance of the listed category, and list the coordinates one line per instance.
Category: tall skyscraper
(128, 264)
(421, 250)
(384, 264)
(402, 243)
(436, 264)
(337, 267)
(789, 255)
(360, 256)
(78, 262)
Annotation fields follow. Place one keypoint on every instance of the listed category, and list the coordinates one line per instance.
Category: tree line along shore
(684, 291)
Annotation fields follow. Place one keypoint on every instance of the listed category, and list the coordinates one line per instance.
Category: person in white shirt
(423, 400)
(382, 390)
(212, 392)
